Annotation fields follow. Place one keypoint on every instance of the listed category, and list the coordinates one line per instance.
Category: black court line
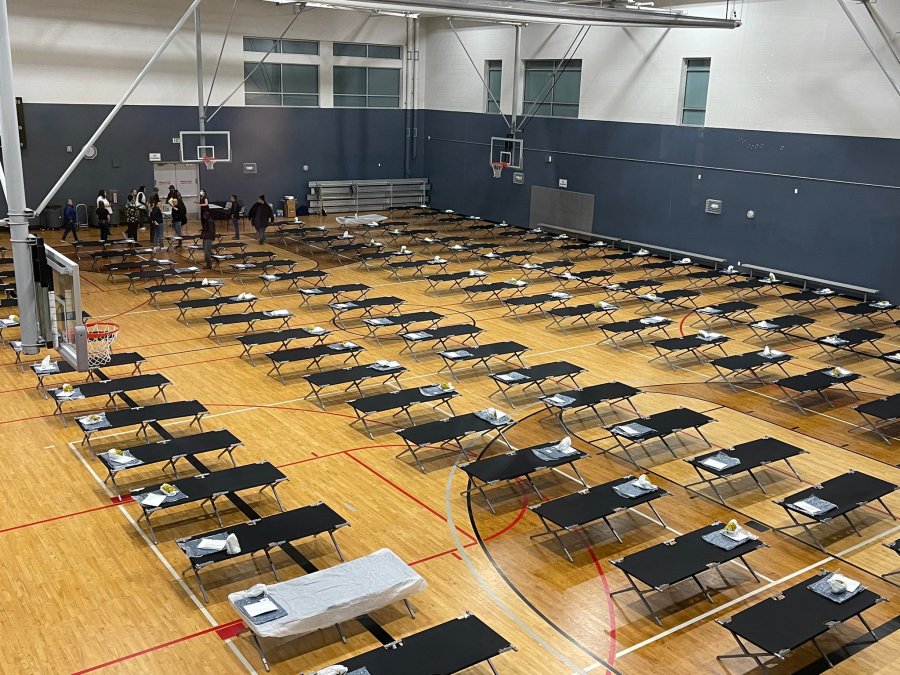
(515, 589)
(850, 649)
(292, 552)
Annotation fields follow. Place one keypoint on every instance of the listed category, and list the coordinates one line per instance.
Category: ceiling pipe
(535, 11)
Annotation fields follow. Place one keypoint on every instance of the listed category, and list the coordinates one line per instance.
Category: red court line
(611, 607)
(154, 648)
(407, 494)
(54, 518)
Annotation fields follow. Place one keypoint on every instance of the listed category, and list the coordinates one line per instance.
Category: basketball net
(497, 168)
(209, 163)
(100, 337)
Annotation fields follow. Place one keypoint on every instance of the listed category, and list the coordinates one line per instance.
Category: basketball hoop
(209, 163)
(100, 336)
(497, 168)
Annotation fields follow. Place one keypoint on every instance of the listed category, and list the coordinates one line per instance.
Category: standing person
(261, 216)
(156, 225)
(132, 219)
(104, 202)
(101, 199)
(236, 216)
(103, 218)
(172, 192)
(141, 203)
(203, 201)
(179, 214)
(208, 235)
(70, 220)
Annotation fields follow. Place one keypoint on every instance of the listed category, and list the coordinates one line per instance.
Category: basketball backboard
(197, 145)
(507, 151)
(61, 305)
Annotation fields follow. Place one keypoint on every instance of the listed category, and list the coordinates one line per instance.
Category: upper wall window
(694, 93)
(547, 97)
(363, 50)
(281, 84)
(493, 77)
(256, 44)
(358, 87)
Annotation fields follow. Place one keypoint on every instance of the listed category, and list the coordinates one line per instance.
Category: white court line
(824, 561)
(153, 547)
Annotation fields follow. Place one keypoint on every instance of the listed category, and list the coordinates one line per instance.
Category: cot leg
(272, 565)
(277, 498)
(259, 650)
(612, 529)
(880, 501)
(656, 513)
(850, 522)
(824, 655)
(791, 467)
(200, 584)
(755, 480)
(336, 547)
(491, 665)
(868, 628)
(340, 632)
(641, 596)
(749, 569)
(702, 589)
(412, 612)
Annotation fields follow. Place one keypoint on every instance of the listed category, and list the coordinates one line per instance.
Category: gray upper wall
(652, 181)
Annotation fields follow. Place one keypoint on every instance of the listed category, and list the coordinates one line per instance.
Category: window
(282, 84)
(696, 88)
(545, 98)
(362, 50)
(359, 87)
(256, 44)
(493, 79)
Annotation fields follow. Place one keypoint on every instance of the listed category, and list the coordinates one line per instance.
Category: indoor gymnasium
(417, 337)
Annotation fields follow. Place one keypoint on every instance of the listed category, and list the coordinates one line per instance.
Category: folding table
(729, 462)
(401, 401)
(169, 451)
(535, 376)
(482, 354)
(261, 535)
(638, 431)
(517, 464)
(577, 511)
(453, 429)
(351, 376)
(608, 393)
(845, 493)
(685, 557)
(780, 624)
(208, 487)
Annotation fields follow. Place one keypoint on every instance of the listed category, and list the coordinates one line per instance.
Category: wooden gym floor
(84, 591)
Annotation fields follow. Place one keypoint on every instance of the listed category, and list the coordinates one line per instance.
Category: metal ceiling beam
(533, 11)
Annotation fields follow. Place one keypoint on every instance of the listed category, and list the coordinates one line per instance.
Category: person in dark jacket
(261, 215)
(236, 216)
(70, 220)
(132, 218)
(179, 214)
(103, 219)
(208, 235)
(156, 226)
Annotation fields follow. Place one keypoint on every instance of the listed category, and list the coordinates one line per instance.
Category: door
(186, 179)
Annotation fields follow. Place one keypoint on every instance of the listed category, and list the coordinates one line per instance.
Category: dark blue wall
(336, 144)
(844, 225)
